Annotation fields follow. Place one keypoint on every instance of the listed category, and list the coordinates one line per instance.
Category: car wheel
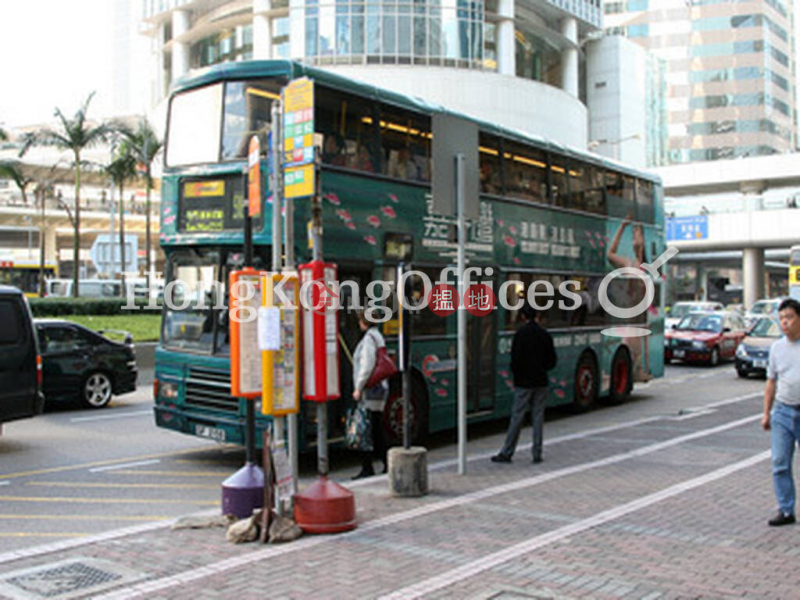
(714, 361)
(741, 373)
(621, 376)
(586, 383)
(97, 390)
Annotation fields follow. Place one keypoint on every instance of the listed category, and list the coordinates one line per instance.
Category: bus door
(481, 355)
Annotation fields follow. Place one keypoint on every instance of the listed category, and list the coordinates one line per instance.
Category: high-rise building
(729, 72)
(517, 63)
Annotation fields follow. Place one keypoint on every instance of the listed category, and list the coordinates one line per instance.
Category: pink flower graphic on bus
(393, 198)
(509, 241)
(350, 225)
(343, 214)
(374, 221)
(389, 212)
(370, 239)
(333, 199)
(559, 393)
(441, 393)
(513, 230)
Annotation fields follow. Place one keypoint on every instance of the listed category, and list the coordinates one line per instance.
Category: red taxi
(704, 337)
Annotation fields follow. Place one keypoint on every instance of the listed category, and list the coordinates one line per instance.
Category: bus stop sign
(451, 136)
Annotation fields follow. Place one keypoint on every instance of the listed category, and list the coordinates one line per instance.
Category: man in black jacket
(532, 356)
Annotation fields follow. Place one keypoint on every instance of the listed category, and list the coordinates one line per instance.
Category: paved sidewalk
(659, 508)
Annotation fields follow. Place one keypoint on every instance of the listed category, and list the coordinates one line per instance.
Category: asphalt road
(72, 473)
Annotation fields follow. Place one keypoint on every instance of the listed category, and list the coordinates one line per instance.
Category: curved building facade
(517, 63)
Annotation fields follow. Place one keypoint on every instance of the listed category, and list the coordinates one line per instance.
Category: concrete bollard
(408, 472)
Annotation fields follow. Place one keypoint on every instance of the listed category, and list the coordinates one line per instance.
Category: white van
(87, 288)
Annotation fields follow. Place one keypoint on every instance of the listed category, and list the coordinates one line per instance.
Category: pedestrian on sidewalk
(783, 416)
(364, 359)
(532, 356)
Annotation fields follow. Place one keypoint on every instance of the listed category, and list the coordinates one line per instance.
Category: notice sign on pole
(280, 361)
(245, 299)
(452, 136)
(254, 176)
(298, 138)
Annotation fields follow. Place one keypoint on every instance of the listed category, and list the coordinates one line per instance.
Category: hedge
(59, 307)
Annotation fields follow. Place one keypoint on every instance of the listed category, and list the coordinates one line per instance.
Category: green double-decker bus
(549, 216)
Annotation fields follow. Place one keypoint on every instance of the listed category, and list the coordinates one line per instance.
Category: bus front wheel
(417, 413)
(586, 383)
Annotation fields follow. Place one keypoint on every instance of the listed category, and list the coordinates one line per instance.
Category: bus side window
(526, 172)
(514, 293)
(594, 196)
(620, 194)
(405, 145)
(346, 123)
(558, 174)
(644, 201)
(490, 164)
(577, 186)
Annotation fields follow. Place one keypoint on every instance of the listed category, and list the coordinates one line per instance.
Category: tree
(76, 134)
(12, 169)
(145, 146)
(3, 135)
(122, 168)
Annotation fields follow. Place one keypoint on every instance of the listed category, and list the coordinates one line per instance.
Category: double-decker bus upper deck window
(491, 167)
(620, 195)
(193, 134)
(246, 113)
(559, 180)
(525, 172)
(794, 258)
(405, 144)
(586, 188)
(645, 209)
(348, 127)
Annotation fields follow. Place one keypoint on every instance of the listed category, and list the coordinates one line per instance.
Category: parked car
(20, 362)
(762, 308)
(752, 355)
(83, 364)
(87, 288)
(704, 337)
(680, 309)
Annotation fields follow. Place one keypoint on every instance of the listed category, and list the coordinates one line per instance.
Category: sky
(55, 53)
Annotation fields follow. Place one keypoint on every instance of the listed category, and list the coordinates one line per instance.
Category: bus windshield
(241, 107)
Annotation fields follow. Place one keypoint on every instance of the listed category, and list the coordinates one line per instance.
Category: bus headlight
(168, 390)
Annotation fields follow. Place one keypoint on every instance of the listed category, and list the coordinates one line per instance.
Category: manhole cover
(66, 579)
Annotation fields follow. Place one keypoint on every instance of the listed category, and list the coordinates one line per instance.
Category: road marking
(175, 473)
(306, 543)
(147, 518)
(112, 461)
(490, 561)
(180, 486)
(125, 465)
(155, 525)
(50, 534)
(138, 413)
(79, 500)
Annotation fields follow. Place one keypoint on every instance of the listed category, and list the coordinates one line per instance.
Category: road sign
(687, 228)
(298, 138)
(452, 136)
(254, 176)
(105, 253)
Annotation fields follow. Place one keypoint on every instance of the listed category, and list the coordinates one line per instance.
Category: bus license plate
(679, 353)
(760, 364)
(212, 433)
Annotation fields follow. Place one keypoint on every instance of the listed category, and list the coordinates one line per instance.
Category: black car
(752, 355)
(20, 364)
(82, 364)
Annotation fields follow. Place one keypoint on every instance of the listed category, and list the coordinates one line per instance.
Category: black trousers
(378, 442)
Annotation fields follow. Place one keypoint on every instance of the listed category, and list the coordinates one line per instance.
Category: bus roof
(291, 69)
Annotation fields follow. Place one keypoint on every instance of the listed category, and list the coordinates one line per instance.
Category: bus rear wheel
(586, 383)
(417, 413)
(621, 380)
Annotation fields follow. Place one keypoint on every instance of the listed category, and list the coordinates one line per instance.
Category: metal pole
(294, 455)
(250, 415)
(403, 340)
(462, 322)
(250, 432)
(277, 239)
(322, 407)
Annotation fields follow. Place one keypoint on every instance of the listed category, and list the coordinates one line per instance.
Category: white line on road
(471, 569)
(125, 465)
(138, 413)
(156, 585)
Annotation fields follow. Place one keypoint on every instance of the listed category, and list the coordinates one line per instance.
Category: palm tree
(76, 134)
(3, 135)
(145, 145)
(122, 168)
(12, 169)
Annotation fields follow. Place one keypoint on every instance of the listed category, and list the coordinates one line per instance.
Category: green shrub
(60, 307)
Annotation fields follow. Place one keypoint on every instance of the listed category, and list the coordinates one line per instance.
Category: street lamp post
(615, 144)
